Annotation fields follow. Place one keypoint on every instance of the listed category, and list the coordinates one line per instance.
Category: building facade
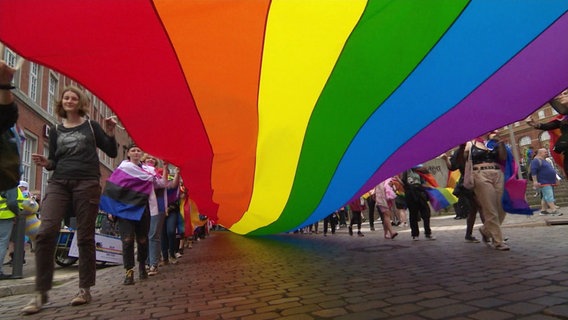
(37, 91)
(526, 137)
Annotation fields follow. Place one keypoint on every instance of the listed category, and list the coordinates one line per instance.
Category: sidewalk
(308, 276)
(27, 283)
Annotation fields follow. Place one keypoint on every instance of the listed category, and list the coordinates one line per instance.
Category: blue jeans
(169, 235)
(547, 194)
(5, 233)
(154, 248)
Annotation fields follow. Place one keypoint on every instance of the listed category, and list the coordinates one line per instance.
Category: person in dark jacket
(75, 184)
(417, 202)
(9, 156)
(466, 205)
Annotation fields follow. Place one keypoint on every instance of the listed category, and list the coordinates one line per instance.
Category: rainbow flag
(440, 198)
(428, 177)
(514, 200)
(274, 104)
(190, 213)
(453, 178)
(127, 192)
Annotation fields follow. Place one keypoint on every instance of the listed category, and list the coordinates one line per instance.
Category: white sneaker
(35, 305)
(83, 297)
(178, 255)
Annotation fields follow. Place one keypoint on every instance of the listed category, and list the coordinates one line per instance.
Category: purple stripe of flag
(125, 180)
(533, 76)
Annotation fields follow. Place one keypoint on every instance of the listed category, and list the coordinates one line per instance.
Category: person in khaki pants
(489, 183)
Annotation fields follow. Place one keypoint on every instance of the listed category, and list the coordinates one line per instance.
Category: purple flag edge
(119, 176)
(545, 47)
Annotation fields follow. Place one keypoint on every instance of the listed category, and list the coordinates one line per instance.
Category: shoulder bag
(468, 173)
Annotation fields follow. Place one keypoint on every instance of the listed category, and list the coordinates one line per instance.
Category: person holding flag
(130, 198)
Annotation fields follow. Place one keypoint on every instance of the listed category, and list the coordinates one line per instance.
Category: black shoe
(129, 278)
(143, 274)
(471, 239)
(350, 231)
(5, 276)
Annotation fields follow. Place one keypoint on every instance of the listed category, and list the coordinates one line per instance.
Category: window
(34, 74)
(52, 93)
(516, 124)
(541, 114)
(44, 173)
(526, 140)
(28, 148)
(544, 136)
(10, 57)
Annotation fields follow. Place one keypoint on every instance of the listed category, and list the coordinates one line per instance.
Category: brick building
(526, 136)
(37, 90)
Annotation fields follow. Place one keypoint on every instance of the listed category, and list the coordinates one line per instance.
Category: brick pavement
(308, 276)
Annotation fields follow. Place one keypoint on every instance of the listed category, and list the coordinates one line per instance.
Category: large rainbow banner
(279, 112)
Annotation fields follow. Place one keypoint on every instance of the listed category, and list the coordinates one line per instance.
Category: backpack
(9, 159)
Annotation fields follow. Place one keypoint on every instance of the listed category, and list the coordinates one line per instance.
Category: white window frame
(10, 57)
(29, 147)
(45, 174)
(34, 82)
(52, 92)
(525, 141)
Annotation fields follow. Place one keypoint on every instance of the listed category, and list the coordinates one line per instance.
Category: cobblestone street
(309, 276)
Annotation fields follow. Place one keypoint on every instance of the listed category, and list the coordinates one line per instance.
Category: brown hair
(83, 102)
(147, 156)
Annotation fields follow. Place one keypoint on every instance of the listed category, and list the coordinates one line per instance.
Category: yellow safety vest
(5, 212)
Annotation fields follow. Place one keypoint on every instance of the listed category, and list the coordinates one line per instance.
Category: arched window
(544, 136)
(525, 141)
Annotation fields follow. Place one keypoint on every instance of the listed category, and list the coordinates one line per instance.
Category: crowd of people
(150, 227)
(75, 186)
(482, 194)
